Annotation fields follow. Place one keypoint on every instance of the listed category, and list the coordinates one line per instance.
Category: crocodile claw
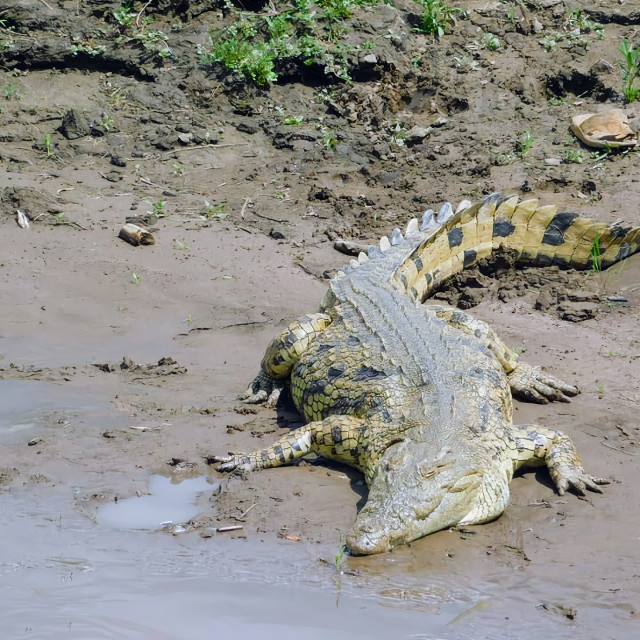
(575, 478)
(531, 383)
(263, 389)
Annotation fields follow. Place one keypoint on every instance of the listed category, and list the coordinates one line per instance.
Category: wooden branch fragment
(135, 235)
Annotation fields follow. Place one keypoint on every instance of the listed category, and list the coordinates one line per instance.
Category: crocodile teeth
(428, 220)
(363, 257)
(412, 227)
(396, 237)
(446, 211)
(373, 251)
(384, 243)
(465, 204)
(354, 263)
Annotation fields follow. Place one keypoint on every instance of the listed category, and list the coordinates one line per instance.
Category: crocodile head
(415, 491)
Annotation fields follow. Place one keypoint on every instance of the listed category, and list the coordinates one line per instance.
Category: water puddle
(167, 503)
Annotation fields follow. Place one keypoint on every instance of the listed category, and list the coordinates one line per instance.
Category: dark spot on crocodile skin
(554, 234)
(428, 278)
(477, 333)
(414, 293)
(543, 260)
(469, 258)
(290, 339)
(354, 452)
(335, 372)
(403, 279)
(623, 252)
(336, 434)
(620, 232)
(264, 454)
(503, 228)
(325, 346)
(279, 452)
(291, 456)
(317, 386)
(296, 445)
(368, 373)
(352, 341)
(385, 415)
(455, 237)
(418, 262)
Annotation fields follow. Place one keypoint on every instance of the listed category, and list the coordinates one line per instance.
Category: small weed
(329, 139)
(491, 41)
(511, 15)
(135, 278)
(437, 16)
(188, 319)
(215, 211)
(466, 63)
(11, 92)
(572, 156)
(48, 144)
(600, 390)
(368, 44)
(341, 557)
(596, 254)
(178, 169)
(578, 21)
(630, 67)
(550, 41)
(519, 350)
(157, 210)
(523, 147)
(399, 135)
(293, 120)
(556, 101)
(108, 122)
(88, 47)
(59, 217)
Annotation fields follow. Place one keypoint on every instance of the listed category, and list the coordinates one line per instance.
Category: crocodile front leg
(537, 445)
(337, 437)
(526, 381)
(283, 352)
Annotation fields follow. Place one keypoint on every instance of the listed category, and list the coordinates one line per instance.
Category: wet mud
(122, 363)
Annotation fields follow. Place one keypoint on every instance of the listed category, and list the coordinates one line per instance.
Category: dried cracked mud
(122, 363)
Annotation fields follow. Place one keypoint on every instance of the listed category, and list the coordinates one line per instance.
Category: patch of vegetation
(572, 156)
(258, 44)
(437, 16)
(11, 92)
(134, 27)
(89, 47)
(215, 211)
(596, 254)
(574, 29)
(521, 149)
(491, 41)
(329, 139)
(630, 67)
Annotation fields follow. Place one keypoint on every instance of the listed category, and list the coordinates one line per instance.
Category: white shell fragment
(396, 237)
(446, 211)
(412, 227)
(464, 204)
(22, 220)
(428, 220)
(384, 243)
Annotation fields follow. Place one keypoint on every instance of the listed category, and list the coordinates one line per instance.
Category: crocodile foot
(263, 389)
(531, 383)
(571, 476)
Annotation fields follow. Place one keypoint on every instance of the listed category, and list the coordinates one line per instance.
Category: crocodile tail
(534, 235)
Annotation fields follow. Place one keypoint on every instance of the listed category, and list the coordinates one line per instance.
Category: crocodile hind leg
(536, 445)
(526, 381)
(337, 437)
(283, 352)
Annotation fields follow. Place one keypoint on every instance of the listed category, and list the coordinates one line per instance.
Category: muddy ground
(245, 205)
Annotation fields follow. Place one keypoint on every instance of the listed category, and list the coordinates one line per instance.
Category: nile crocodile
(419, 397)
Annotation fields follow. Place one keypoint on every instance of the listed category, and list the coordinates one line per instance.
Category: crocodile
(419, 397)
